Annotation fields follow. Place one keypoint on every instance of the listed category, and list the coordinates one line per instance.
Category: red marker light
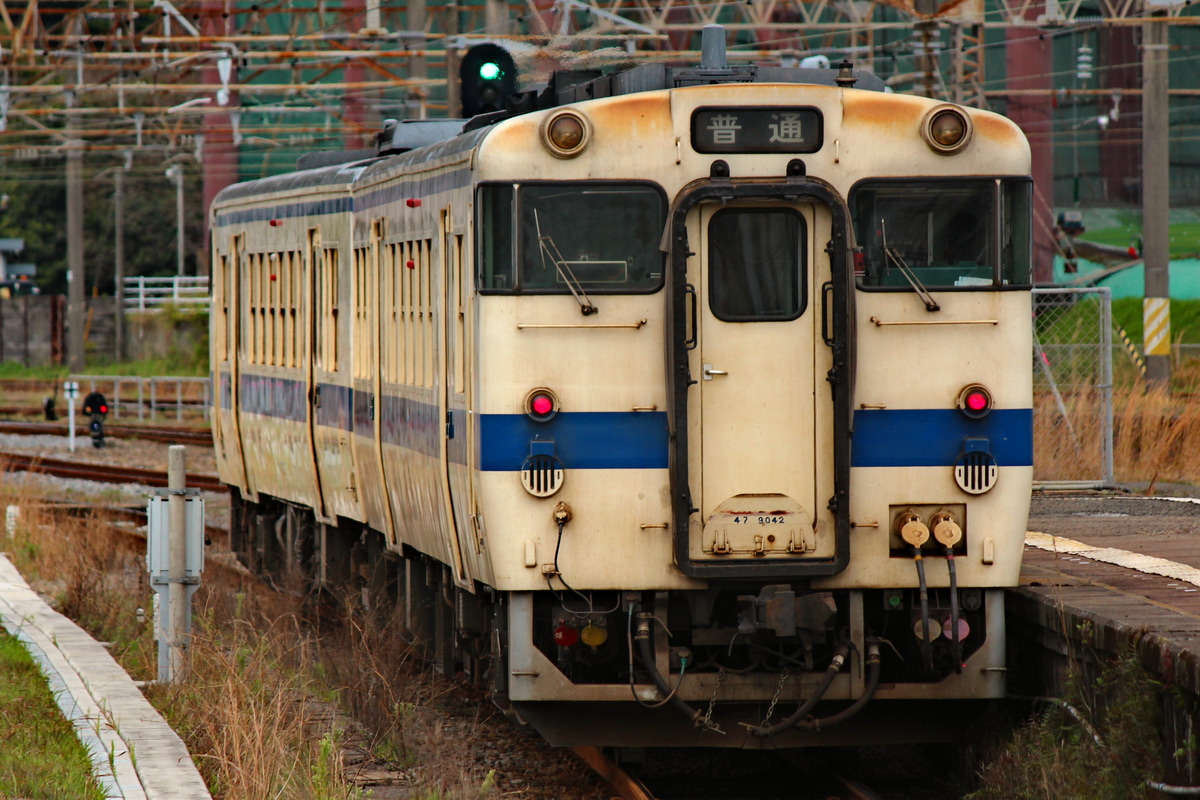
(103, 409)
(541, 405)
(413, 202)
(975, 401)
(410, 264)
(565, 636)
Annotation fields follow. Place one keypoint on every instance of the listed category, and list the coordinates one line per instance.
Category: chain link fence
(1073, 388)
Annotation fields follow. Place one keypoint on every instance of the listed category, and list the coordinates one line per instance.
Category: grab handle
(690, 342)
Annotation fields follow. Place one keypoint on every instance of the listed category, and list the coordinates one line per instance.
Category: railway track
(107, 473)
(725, 775)
(171, 435)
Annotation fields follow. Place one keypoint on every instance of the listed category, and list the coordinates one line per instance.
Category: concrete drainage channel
(136, 755)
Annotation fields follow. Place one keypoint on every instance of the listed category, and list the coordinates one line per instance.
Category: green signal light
(490, 71)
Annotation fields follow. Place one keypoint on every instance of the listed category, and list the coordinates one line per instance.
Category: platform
(1111, 570)
(136, 755)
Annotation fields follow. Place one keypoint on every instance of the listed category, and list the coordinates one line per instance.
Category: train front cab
(821, 423)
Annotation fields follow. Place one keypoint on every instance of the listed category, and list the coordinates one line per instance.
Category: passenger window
(756, 267)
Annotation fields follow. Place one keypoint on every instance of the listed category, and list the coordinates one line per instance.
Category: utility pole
(1156, 199)
(119, 258)
(175, 173)
(453, 93)
(76, 312)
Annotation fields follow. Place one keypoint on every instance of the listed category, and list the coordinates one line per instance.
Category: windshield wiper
(898, 260)
(550, 250)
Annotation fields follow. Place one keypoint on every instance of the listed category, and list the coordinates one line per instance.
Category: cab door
(759, 413)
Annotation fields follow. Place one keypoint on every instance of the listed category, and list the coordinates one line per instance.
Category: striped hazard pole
(1156, 322)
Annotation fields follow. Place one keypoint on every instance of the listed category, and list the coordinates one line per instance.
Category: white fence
(151, 294)
(143, 398)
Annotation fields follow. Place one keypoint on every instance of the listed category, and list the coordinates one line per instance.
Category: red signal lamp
(975, 401)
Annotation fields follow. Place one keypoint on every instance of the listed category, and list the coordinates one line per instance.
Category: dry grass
(250, 715)
(1156, 435)
(270, 692)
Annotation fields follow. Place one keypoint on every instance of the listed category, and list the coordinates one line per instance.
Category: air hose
(949, 533)
(915, 533)
(835, 665)
(646, 651)
(858, 705)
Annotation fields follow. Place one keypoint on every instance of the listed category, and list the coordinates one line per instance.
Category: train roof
(431, 139)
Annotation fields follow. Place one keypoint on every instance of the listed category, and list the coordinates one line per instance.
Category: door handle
(709, 372)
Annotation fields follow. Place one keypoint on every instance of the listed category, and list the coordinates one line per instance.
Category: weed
(1102, 744)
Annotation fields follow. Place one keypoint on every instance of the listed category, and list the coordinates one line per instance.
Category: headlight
(566, 133)
(947, 129)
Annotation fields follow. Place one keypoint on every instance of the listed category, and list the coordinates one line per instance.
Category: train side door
(452, 368)
(233, 351)
(760, 412)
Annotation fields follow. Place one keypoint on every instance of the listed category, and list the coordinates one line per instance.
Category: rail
(153, 294)
(106, 473)
(150, 396)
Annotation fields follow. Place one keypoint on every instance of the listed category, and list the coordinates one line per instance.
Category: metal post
(177, 606)
(119, 258)
(1156, 199)
(1106, 385)
(75, 280)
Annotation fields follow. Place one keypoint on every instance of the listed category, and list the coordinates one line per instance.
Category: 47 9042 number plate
(759, 525)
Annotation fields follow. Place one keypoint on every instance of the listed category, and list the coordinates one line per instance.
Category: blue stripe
(273, 397)
(599, 440)
(334, 411)
(411, 424)
(934, 437)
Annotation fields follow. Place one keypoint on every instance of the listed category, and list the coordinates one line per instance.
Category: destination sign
(756, 130)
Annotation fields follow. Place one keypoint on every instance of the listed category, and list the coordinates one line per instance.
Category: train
(677, 406)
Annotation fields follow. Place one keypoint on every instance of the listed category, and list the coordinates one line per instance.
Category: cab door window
(756, 265)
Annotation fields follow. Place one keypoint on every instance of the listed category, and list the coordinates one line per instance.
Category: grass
(1185, 319)
(39, 753)
(1184, 236)
(1104, 744)
(1078, 323)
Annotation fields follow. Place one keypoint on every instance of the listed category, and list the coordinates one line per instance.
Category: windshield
(949, 233)
(550, 238)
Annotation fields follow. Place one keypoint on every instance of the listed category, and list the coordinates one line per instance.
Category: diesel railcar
(679, 406)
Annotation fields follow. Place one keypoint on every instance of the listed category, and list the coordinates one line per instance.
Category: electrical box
(158, 559)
